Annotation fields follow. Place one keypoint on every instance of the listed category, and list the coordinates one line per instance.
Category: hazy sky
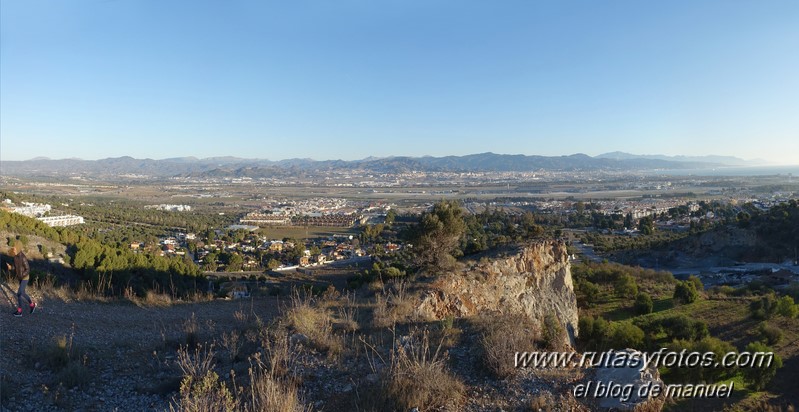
(351, 79)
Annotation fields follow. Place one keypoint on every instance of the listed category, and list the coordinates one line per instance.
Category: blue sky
(351, 79)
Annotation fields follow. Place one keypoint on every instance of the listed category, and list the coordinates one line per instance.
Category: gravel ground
(127, 352)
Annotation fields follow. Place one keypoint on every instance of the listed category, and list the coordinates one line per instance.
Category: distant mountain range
(239, 167)
(723, 160)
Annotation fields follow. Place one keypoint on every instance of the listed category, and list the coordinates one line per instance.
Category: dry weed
(393, 306)
(415, 376)
(347, 315)
(269, 392)
(200, 389)
(502, 335)
(315, 323)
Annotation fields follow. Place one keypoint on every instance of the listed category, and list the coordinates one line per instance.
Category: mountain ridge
(231, 166)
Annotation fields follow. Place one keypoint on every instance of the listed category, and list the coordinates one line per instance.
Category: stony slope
(126, 350)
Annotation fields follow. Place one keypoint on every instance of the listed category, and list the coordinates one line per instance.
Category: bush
(626, 335)
(503, 335)
(625, 287)
(416, 377)
(771, 335)
(593, 333)
(685, 374)
(759, 376)
(553, 334)
(786, 307)
(69, 364)
(696, 282)
(589, 290)
(685, 292)
(268, 392)
(643, 304)
(720, 348)
(392, 306)
(683, 327)
(763, 308)
(315, 323)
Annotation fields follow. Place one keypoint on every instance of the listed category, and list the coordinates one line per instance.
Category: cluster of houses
(43, 213)
(255, 250)
(330, 220)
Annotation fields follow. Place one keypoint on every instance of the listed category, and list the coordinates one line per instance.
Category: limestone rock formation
(534, 280)
(628, 387)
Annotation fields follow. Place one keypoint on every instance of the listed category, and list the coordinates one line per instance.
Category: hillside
(120, 355)
(335, 350)
(255, 168)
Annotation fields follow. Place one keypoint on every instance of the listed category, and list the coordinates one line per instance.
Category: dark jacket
(21, 266)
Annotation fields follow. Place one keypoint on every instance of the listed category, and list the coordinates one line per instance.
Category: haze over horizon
(349, 80)
(754, 162)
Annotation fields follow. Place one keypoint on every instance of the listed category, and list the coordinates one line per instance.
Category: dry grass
(502, 335)
(315, 323)
(192, 329)
(232, 343)
(280, 358)
(393, 306)
(157, 299)
(553, 333)
(69, 364)
(269, 392)
(416, 376)
(200, 389)
(347, 315)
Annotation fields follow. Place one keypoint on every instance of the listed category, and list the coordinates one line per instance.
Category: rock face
(534, 280)
(628, 387)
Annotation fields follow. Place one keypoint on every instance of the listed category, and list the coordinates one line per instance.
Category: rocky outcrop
(624, 388)
(534, 280)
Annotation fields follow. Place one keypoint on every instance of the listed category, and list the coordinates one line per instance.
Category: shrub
(272, 395)
(759, 376)
(696, 282)
(643, 304)
(786, 307)
(625, 286)
(594, 333)
(192, 329)
(709, 374)
(683, 327)
(503, 335)
(589, 290)
(771, 335)
(392, 306)
(763, 308)
(315, 323)
(626, 335)
(200, 389)
(418, 378)
(720, 348)
(64, 359)
(685, 292)
(269, 392)
(553, 334)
